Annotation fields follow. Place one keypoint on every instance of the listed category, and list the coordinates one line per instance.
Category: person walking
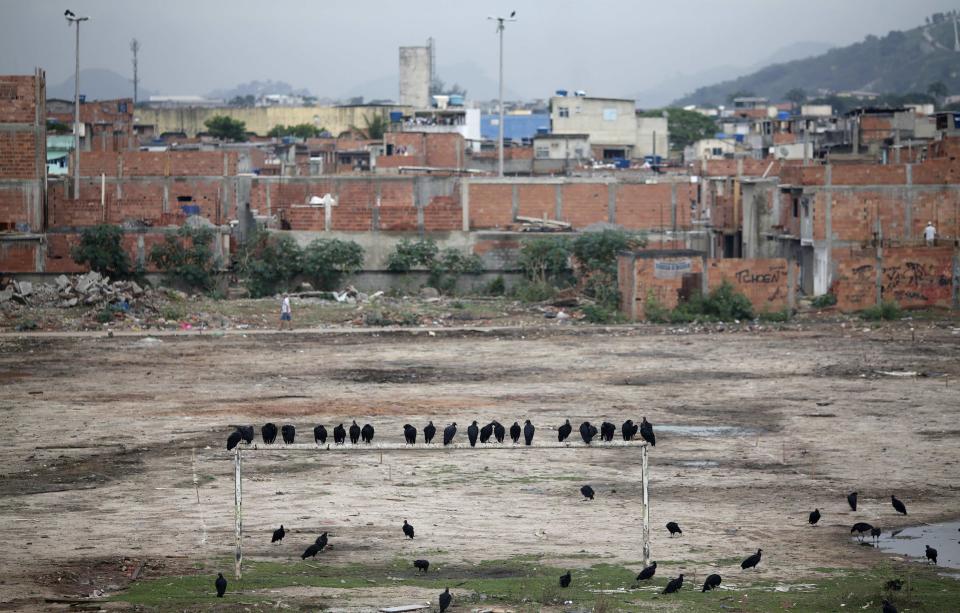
(930, 234)
(285, 314)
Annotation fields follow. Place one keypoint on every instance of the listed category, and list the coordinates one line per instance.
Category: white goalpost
(381, 448)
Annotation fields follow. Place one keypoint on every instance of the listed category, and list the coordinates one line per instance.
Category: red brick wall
(18, 256)
(659, 279)
(158, 163)
(17, 155)
(764, 281)
(18, 103)
(913, 277)
(728, 168)
(585, 204)
(491, 206)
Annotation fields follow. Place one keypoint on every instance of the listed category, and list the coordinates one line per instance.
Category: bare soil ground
(114, 462)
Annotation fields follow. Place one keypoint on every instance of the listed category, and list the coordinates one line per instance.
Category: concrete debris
(429, 292)
(91, 289)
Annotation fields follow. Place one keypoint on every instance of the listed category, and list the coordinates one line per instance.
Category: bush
(328, 261)
(529, 291)
(545, 259)
(722, 304)
(408, 255)
(654, 311)
(101, 248)
(826, 300)
(105, 315)
(186, 257)
(598, 314)
(596, 256)
(446, 269)
(496, 287)
(780, 316)
(887, 310)
(270, 264)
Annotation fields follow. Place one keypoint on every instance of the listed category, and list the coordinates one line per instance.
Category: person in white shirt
(285, 313)
(930, 233)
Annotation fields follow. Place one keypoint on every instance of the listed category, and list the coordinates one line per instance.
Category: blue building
(515, 127)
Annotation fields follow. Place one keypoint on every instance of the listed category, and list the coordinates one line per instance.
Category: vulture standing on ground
(931, 554)
(587, 432)
(713, 581)
(366, 434)
(674, 585)
(852, 500)
(515, 432)
(445, 600)
(814, 517)
(354, 433)
(528, 431)
(565, 580)
(898, 505)
(407, 529)
(564, 431)
(339, 434)
(289, 433)
(221, 585)
(587, 492)
(319, 435)
(311, 552)
(429, 431)
(860, 527)
(422, 565)
(875, 533)
(607, 430)
(234, 439)
(321, 542)
(752, 561)
(674, 528)
(448, 433)
(499, 432)
(278, 534)
(410, 434)
(648, 572)
(472, 433)
(486, 432)
(646, 432)
(269, 433)
(629, 430)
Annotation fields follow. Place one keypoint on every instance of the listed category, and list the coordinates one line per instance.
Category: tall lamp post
(501, 21)
(72, 19)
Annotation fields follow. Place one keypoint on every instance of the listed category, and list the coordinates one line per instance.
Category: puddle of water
(699, 463)
(707, 430)
(912, 542)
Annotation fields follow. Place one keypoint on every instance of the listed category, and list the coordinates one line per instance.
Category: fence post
(238, 502)
(645, 479)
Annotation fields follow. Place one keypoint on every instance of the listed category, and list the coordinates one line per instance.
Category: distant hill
(98, 84)
(900, 62)
(467, 75)
(258, 88)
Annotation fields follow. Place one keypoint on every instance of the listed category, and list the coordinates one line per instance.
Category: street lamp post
(72, 19)
(501, 21)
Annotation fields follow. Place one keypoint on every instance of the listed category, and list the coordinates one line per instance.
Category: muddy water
(944, 537)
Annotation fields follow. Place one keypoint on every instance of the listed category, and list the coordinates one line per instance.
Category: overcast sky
(331, 46)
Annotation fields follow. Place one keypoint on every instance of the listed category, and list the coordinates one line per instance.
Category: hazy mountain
(258, 88)
(98, 84)
(467, 75)
(900, 62)
(679, 85)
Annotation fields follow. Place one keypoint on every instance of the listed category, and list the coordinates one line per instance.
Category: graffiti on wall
(918, 283)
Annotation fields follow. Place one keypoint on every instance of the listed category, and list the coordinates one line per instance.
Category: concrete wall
(415, 76)
(607, 121)
(652, 137)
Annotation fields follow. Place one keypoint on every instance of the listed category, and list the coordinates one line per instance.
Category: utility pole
(135, 47)
(501, 21)
(72, 19)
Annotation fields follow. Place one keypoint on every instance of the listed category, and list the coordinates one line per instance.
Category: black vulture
(499, 432)
(528, 431)
(472, 433)
(321, 542)
(221, 585)
(894, 585)
(366, 433)
(354, 433)
(234, 439)
(448, 433)
(422, 565)
(587, 432)
(814, 517)
(445, 600)
(647, 572)
(278, 534)
(319, 435)
(410, 434)
(852, 500)
(931, 554)
(674, 528)
(860, 528)
(646, 432)
(407, 529)
(888, 607)
(247, 433)
(752, 561)
(564, 431)
(587, 492)
(339, 434)
(289, 433)
(429, 431)
(674, 585)
(269, 433)
(515, 432)
(311, 552)
(486, 432)
(875, 533)
(713, 581)
(898, 505)
(565, 580)
(607, 430)
(629, 430)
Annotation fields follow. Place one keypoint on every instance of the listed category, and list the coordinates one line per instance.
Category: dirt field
(114, 462)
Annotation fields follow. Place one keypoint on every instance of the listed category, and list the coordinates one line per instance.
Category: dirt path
(107, 438)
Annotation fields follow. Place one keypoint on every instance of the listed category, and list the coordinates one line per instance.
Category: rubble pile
(90, 289)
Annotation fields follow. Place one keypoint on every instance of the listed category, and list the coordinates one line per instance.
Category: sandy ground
(105, 438)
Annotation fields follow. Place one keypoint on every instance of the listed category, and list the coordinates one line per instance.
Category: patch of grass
(823, 301)
(783, 315)
(886, 311)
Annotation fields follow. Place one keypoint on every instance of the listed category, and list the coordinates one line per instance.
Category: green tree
(243, 101)
(409, 254)
(796, 96)
(938, 90)
(545, 259)
(374, 129)
(101, 248)
(226, 128)
(301, 130)
(186, 257)
(685, 127)
(269, 263)
(741, 93)
(596, 257)
(328, 261)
